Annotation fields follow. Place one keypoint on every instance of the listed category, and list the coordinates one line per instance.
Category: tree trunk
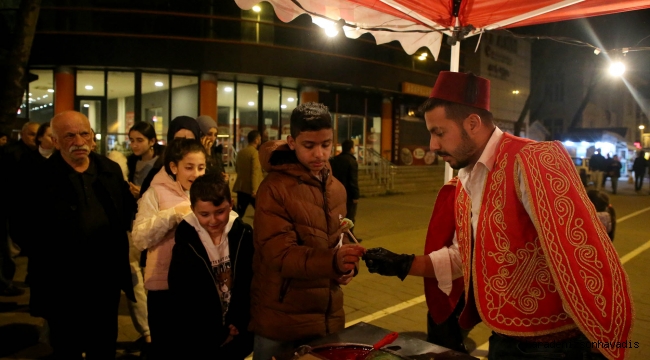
(12, 68)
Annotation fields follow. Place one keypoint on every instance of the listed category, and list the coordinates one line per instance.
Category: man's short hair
(210, 187)
(252, 136)
(27, 125)
(455, 111)
(346, 146)
(310, 116)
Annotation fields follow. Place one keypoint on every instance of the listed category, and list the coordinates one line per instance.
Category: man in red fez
(537, 267)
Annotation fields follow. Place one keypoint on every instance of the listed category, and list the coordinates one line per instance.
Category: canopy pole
(453, 67)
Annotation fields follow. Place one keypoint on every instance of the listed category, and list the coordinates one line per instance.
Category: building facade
(122, 62)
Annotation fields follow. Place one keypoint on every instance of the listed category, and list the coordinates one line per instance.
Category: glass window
(288, 102)
(93, 111)
(185, 96)
(271, 113)
(90, 83)
(120, 108)
(155, 102)
(246, 112)
(40, 97)
(225, 117)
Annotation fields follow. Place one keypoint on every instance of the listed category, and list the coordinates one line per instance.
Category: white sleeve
(447, 265)
(151, 224)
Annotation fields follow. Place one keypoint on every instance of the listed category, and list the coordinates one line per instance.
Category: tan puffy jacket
(294, 295)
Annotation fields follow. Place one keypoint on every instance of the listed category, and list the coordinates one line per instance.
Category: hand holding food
(347, 256)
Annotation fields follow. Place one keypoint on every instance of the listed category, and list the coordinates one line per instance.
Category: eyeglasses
(72, 136)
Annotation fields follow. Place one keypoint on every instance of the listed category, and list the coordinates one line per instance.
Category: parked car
(582, 167)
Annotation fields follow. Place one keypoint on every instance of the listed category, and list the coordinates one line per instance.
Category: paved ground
(399, 223)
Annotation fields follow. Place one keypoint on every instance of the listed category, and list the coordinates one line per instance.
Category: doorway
(94, 107)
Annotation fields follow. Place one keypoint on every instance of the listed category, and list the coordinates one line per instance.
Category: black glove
(387, 263)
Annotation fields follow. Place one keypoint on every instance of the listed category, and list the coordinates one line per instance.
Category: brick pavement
(399, 223)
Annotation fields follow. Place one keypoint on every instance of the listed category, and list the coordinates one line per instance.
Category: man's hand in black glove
(387, 263)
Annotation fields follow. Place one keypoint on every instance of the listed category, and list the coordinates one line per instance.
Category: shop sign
(415, 89)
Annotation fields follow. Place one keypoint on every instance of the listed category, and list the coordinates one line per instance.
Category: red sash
(441, 233)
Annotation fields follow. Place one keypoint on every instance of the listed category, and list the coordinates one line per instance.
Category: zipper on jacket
(214, 281)
(327, 222)
(284, 288)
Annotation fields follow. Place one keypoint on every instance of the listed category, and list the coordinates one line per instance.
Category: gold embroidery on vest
(463, 215)
(523, 278)
(561, 176)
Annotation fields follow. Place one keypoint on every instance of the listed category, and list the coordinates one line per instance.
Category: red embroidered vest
(525, 268)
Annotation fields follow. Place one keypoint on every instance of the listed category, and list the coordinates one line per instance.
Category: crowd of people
(602, 168)
(161, 226)
(513, 235)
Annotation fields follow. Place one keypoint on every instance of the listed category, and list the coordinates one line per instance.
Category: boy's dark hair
(310, 116)
(210, 187)
(178, 148)
(346, 146)
(252, 135)
(455, 111)
(40, 132)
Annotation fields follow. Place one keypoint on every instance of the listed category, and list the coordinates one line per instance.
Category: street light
(641, 127)
(617, 68)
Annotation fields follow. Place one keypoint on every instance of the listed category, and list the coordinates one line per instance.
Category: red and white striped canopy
(411, 21)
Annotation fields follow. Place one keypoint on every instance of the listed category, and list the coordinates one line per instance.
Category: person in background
(213, 320)
(180, 127)
(614, 171)
(604, 210)
(146, 153)
(93, 140)
(210, 131)
(44, 140)
(90, 206)
(4, 139)
(249, 173)
(160, 209)
(301, 258)
(522, 225)
(346, 169)
(639, 167)
(17, 160)
(597, 166)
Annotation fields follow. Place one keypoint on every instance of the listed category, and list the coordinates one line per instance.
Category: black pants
(243, 200)
(638, 181)
(449, 333)
(506, 348)
(161, 325)
(88, 325)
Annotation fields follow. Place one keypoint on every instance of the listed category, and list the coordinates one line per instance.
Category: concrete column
(309, 94)
(208, 90)
(64, 90)
(386, 128)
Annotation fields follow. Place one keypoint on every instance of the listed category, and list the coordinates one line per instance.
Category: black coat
(197, 307)
(64, 265)
(639, 166)
(17, 161)
(346, 170)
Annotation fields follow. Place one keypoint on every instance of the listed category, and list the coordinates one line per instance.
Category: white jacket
(155, 225)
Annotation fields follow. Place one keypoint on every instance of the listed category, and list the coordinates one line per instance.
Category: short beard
(464, 152)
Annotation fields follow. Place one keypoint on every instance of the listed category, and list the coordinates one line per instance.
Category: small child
(210, 275)
(604, 210)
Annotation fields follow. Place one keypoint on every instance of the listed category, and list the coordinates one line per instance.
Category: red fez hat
(462, 88)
